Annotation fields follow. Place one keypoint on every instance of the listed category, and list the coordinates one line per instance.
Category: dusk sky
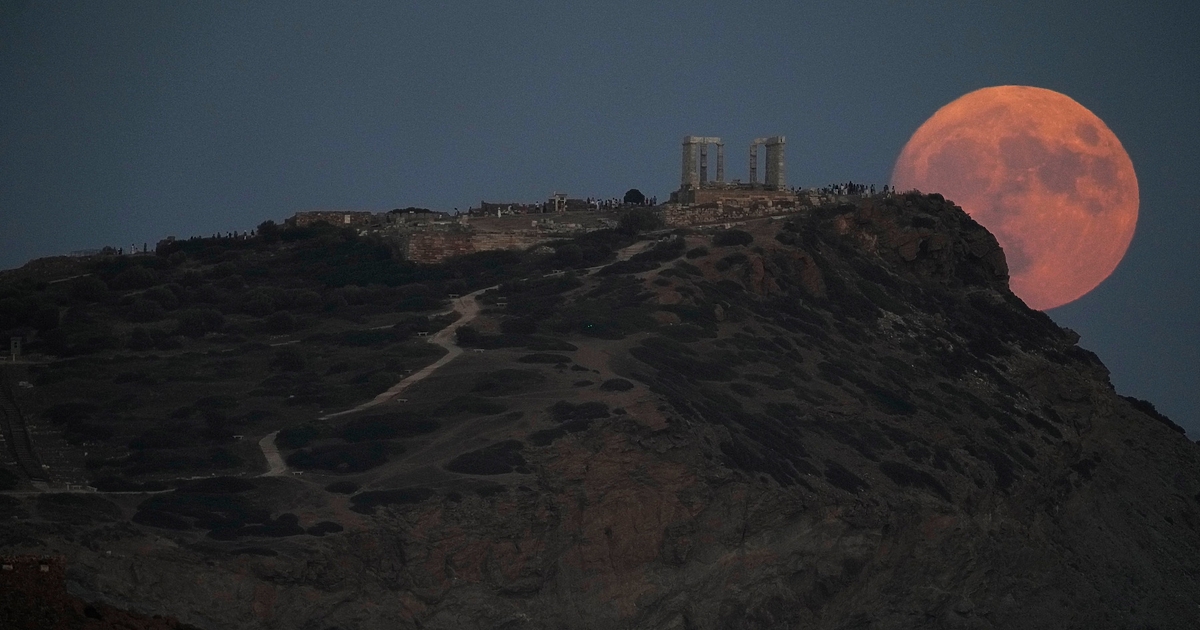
(125, 122)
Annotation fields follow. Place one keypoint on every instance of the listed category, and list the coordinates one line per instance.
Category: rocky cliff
(840, 419)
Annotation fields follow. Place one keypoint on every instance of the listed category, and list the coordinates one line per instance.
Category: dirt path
(468, 308)
(271, 452)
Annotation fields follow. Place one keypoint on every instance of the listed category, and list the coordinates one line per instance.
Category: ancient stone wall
(487, 241)
(302, 219)
(434, 246)
(681, 216)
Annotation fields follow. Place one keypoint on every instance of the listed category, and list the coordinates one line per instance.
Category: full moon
(1045, 175)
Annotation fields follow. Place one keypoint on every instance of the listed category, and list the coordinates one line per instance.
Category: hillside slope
(832, 420)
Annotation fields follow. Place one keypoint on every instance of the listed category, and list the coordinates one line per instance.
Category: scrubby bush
(469, 404)
(545, 358)
(167, 296)
(663, 251)
(629, 267)
(563, 411)
(840, 477)
(506, 382)
(299, 436)
(1148, 408)
(70, 412)
(730, 261)
(730, 238)
(289, 359)
(639, 220)
(8, 480)
(280, 322)
(198, 322)
(216, 485)
(324, 527)
(160, 520)
(89, 289)
(341, 457)
(77, 508)
(342, 487)
(136, 277)
(111, 483)
(497, 459)
(386, 426)
(616, 385)
(673, 357)
(909, 477)
(366, 502)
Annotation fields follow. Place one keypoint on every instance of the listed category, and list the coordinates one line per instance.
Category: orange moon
(1042, 173)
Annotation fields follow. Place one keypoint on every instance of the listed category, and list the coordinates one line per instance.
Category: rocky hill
(840, 418)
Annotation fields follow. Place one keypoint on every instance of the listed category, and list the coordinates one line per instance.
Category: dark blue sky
(123, 122)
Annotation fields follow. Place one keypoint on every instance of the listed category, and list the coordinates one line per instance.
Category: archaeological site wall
(303, 219)
(435, 246)
(683, 216)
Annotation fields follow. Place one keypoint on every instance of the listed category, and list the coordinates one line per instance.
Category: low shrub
(562, 411)
(160, 520)
(77, 508)
(341, 457)
(544, 358)
(907, 476)
(505, 382)
(112, 483)
(216, 485)
(546, 436)
(616, 385)
(342, 487)
(730, 238)
(839, 477)
(385, 427)
(299, 436)
(324, 527)
(8, 480)
(497, 459)
(366, 502)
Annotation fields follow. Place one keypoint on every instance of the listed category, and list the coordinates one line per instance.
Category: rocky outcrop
(33, 596)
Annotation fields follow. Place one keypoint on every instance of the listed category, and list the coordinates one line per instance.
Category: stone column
(720, 162)
(688, 176)
(775, 163)
(703, 163)
(754, 162)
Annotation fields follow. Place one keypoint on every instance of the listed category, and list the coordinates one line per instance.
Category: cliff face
(842, 419)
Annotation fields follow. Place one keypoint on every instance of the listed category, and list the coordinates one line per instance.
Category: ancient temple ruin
(696, 188)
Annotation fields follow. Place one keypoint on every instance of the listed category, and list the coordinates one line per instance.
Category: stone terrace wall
(434, 246)
(487, 241)
(302, 219)
(682, 216)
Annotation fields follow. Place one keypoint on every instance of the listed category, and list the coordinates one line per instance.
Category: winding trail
(271, 452)
(468, 308)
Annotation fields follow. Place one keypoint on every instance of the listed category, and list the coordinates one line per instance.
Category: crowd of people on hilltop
(849, 188)
(615, 203)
